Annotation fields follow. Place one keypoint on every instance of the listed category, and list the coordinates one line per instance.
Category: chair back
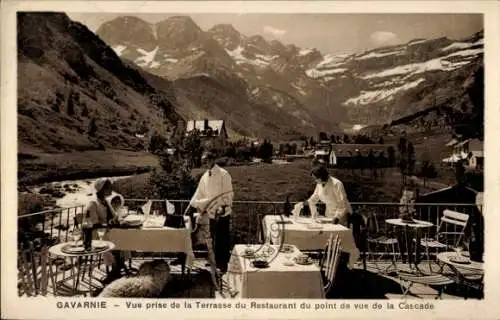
(331, 261)
(372, 227)
(34, 270)
(457, 220)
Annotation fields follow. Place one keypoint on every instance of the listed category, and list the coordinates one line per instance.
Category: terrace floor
(352, 284)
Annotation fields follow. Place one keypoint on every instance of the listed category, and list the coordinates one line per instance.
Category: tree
(381, 140)
(312, 143)
(391, 156)
(372, 164)
(410, 159)
(266, 151)
(157, 144)
(323, 136)
(191, 149)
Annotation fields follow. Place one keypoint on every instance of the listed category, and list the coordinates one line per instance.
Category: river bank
(36, 168)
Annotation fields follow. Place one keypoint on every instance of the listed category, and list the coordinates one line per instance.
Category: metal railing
(54, 226)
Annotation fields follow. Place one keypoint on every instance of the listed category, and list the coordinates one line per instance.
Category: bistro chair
(34, 271)
(330, 262)
(376, 238)
(450, 219)
(439, 280)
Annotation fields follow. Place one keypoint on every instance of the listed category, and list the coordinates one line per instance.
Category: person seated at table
(117, 203)
(330, 191)
(101, 214)
(214, 197)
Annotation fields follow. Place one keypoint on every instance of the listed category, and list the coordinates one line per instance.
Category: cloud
(274, 31)
(383, 38)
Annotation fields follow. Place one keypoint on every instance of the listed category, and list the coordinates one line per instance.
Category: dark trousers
(219, 230)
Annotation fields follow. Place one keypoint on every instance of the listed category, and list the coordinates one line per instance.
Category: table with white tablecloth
(307, 235)
(276, 281)
(153, 237)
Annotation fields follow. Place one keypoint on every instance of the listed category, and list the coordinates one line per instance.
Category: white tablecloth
(153, 239)
(306, 235)
(276, 281)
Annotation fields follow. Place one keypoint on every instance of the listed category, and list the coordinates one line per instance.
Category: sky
(329, 33)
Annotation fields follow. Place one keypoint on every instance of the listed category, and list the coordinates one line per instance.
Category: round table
(468, 274)
(417, 225)
(57, 250)
(473, 266)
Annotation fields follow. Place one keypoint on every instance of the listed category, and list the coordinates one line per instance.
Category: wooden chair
(34, 271)
(330, 262)
(440, 242)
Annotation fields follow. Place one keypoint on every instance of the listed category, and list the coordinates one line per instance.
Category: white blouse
(331, 193)
(214, 190)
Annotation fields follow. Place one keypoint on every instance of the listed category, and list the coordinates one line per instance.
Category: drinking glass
(100, 233)
(76, 235)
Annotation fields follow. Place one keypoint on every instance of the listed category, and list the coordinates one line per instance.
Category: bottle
(87, 228)
(287, 208)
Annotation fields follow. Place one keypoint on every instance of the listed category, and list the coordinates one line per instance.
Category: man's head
(208, 158)
(320, 174)
(103, 188)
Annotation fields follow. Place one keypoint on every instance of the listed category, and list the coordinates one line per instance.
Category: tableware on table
(76, 235)
(73, 249)
(303, 259)
(460, 260)
(465, 254)
(260, 264)
(249, 253)
(286, 248)
(100, 232)
(288, 260)
(99, 245)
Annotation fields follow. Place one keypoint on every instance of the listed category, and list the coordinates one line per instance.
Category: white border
(41, 308)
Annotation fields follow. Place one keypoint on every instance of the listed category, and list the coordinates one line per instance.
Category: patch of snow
(331, 60)
(147, 57)
(372, 55)
(430, 65)
(367, 97)
(462, 45)
(154, 64)
(299, 89)
(305, 52)
(412, 43)
(266, 58)
(315, 73)
(357, 127)
(119, 49)
(255, 91)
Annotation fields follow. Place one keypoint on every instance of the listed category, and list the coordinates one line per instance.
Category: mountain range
(80, 90)
(323, 91)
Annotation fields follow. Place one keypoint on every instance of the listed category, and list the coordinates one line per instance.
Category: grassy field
(272, 182)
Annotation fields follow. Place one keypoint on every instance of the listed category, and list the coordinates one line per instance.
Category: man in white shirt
(330, 191)
(214, 197)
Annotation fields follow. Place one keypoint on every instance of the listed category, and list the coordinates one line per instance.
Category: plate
(100, 246)
(132, 218)
(288, 263)
(71, 249)
(305, 263)
(460, 260)
(465, 254)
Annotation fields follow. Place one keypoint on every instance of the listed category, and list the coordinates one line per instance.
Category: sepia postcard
(250, 159)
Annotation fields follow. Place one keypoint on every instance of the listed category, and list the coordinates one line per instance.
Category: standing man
(214, 198)
(330, 191)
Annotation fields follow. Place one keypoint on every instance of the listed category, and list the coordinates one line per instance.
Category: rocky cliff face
(74, 92)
